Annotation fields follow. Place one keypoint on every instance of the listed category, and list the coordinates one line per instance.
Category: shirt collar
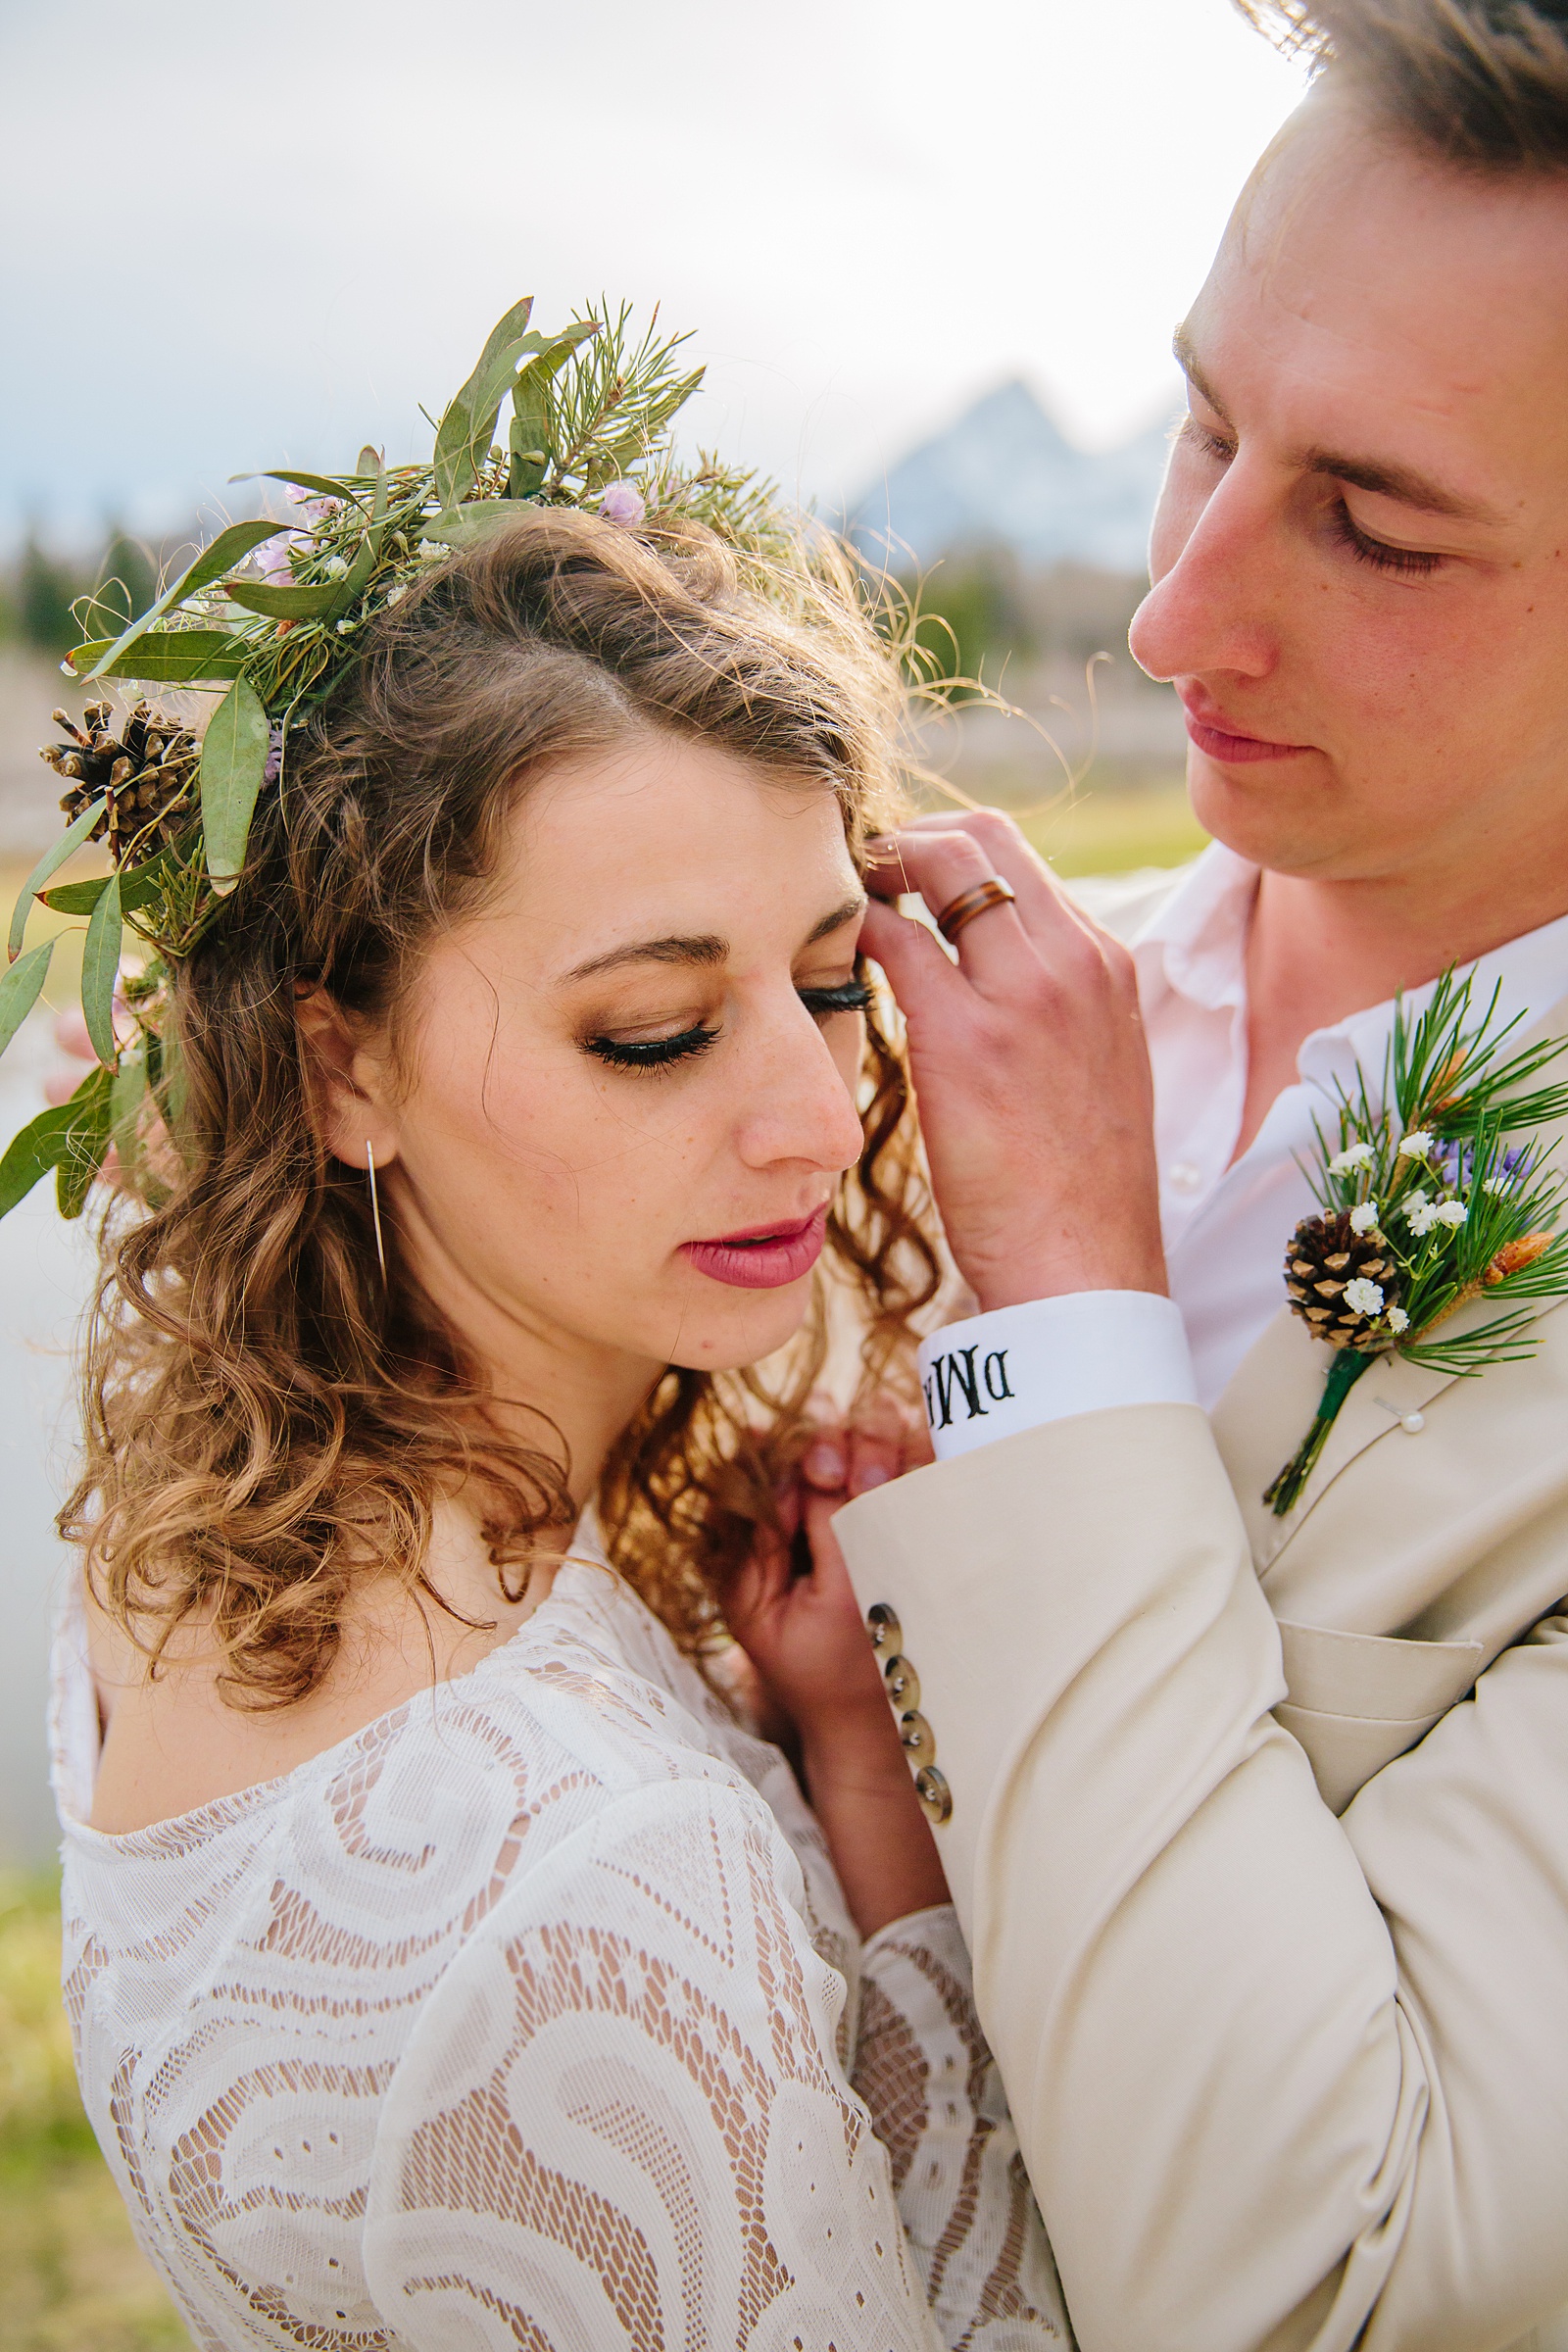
(1197, 941)
(1196, 944)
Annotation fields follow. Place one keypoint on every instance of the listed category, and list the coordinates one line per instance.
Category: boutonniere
(1436, 1192)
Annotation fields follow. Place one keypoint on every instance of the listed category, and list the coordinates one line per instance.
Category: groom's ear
(346, 1074)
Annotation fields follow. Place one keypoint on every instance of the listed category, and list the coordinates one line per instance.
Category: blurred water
(45, 1272)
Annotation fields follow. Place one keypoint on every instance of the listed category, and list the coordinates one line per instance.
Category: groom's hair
(1481, 82)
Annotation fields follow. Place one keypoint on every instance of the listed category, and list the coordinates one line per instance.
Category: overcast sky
(235, 235)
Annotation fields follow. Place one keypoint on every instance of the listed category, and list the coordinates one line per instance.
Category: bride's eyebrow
(703, 949)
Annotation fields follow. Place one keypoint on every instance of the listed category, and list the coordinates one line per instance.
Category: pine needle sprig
(1428, 1207)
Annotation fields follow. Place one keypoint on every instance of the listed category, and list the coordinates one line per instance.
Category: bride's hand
(793, 1610)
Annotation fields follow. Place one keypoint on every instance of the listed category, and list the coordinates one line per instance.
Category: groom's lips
(1215, 734)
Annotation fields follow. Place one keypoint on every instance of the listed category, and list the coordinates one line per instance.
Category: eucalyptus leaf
(324, 485)
(350, 589)
(532, 430)
(99, 969)
(127, 1095)
(85, 1145)
(32, 1152)
(138, 884)
(233, 763)
(165, 657)
(469, 418)
(19, 986)
(50, 862)
(465, 526)
(76, 898)
(283, 603)
(229, 548)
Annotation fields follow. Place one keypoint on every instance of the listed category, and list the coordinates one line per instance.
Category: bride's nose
(792, 1104)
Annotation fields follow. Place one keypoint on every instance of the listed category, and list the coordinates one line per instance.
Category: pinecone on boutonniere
(1430, 1201)
(1341, 1277)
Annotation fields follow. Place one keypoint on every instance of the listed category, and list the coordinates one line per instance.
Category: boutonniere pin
(1436, 1194)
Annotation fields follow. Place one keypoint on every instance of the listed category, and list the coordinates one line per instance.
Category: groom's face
(1360, 555)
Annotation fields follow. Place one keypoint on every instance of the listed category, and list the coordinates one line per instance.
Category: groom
(1259, 1826)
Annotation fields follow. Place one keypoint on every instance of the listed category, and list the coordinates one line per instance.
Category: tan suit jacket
(1259, 1833)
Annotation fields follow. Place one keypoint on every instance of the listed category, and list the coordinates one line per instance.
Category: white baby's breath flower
(431, 551)
(1364, 1297)
(1450, 1212)
(1421, 1216)
(1364, 1217)
(336, 568)
(344, 627)
(395, 594)
(1417, 1145)
(1398, 1320)
(1497, 1184)
(1355, 1155)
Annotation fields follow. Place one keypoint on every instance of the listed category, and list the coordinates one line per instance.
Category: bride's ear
(347, 1080)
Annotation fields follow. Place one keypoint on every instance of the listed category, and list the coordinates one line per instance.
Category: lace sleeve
(620, 2121)
(930, 2083)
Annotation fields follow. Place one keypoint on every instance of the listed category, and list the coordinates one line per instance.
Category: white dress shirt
(1225, 1225)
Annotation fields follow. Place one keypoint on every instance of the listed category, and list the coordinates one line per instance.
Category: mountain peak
(1004, 475)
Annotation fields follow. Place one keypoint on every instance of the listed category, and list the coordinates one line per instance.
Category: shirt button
(1183, 1177)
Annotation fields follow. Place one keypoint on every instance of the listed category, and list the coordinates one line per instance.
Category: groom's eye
(1410, 561)
(1211, 445)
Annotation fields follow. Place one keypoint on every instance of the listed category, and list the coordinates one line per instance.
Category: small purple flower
(623, 503)
(271, 559)
(274, 757)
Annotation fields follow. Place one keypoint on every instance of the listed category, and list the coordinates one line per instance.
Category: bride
(449, 1966)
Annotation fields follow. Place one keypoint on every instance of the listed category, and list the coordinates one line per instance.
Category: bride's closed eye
(682, 1045)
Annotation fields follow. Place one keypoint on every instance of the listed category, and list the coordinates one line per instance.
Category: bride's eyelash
(661, 1052)
(851, 996)
(651, 1053)
(1377, 552)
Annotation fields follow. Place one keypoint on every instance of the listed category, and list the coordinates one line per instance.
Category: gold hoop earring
(376, 1210)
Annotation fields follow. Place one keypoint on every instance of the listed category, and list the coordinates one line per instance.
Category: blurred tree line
(38, 589)
(984, 616)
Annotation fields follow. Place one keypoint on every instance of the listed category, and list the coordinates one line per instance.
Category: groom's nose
(1216, 556)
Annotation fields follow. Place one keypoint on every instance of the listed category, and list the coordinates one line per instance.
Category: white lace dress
(531, 2017)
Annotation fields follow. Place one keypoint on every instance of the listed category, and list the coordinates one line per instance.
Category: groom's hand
(1030, 1067)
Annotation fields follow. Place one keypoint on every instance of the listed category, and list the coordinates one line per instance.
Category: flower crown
(270, 616)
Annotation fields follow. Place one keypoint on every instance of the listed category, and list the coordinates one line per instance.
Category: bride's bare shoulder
(175, 1738)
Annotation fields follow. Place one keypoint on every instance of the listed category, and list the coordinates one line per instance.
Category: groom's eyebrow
(1403, 483)
(703, 947)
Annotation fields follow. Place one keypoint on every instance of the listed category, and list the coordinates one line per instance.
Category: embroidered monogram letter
(955, 1376)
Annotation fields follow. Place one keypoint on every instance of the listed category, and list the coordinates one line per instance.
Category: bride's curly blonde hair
(267, 1422)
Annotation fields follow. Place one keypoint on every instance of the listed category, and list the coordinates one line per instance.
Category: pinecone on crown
(147, 772)
(1343, 1283)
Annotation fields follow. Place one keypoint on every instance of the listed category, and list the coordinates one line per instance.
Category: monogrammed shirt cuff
(1024, 1365)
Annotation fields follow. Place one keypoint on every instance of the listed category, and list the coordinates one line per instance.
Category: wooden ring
(993, 892)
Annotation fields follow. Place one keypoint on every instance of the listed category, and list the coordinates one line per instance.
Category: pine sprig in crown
(267, 618)
(1429, 1202)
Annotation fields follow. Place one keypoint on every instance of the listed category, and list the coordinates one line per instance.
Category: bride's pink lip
(1223, 743)
(764, 1257)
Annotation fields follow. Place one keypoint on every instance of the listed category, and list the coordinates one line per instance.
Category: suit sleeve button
(934, 1793)
(887, 1635)
(919, 1740)
(903, 1683)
